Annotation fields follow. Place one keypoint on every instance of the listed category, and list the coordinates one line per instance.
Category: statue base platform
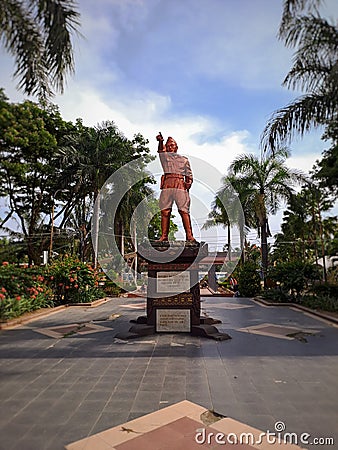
(173, 295)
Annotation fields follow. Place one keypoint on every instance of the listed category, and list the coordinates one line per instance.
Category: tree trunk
(95, 236)
(229, 242)
(264, 250)
(33, 251)
(122, 238)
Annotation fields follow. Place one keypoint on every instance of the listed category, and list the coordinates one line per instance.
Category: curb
(32, 316)
(322, 315)
(93, 304)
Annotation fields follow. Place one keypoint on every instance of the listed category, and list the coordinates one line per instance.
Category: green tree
(266, 182)
(306, 234)
(230, 208)
(326, 170)
(29, 137)
(219, 216)
(314, 71)
(38, 34)
(249, 282)
(294, 276)
(90, 157)
(292, 242)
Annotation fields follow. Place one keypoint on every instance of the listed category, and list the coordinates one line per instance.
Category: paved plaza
(65, 377)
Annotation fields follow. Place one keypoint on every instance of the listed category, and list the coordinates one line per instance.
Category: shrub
(324, 303)
(22, 289)
(325, 290)
(294, 276)
(74, 281)
(249, 282)
(276, 295)
(111, 289)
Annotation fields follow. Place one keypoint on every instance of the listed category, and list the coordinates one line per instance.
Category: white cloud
(148, 113)
(303, 162)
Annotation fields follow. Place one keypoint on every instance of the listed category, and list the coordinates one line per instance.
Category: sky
(207, 72)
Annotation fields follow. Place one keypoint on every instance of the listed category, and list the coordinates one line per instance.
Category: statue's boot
(187, 226)
(165, 224)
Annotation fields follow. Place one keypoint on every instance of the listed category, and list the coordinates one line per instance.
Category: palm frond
(38, 34)
(243, 163)
(309, 31)
(306, 76)
(299, 117)
(292, 8)
(22, 39)
(59, 20)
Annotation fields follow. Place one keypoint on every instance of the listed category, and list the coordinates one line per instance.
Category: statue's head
(171, 145)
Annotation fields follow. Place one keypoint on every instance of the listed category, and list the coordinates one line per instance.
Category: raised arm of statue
(161, 146)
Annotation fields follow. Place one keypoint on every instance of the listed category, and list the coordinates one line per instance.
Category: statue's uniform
(175, 182)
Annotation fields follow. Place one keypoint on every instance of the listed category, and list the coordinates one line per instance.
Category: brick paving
(57, 390)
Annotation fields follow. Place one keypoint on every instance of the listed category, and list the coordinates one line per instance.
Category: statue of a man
(175, 184)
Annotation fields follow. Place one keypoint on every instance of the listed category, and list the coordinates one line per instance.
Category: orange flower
(2, 296)
(18, 298)
(5, 263)
(3, 289)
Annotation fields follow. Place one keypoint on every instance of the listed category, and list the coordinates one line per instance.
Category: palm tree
(266, 182)
(218, 216)
(315, 71)
(37, 33)
(229, 208)
(90, 156)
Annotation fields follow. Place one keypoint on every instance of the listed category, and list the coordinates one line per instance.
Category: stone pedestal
(173, 286)
(173, 299)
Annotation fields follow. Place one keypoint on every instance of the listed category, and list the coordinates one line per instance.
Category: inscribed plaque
(173, 320)
(173, 282)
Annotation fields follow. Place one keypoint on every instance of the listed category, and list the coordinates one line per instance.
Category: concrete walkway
(64, 377)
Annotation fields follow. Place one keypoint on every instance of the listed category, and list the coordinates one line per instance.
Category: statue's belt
(173, 175)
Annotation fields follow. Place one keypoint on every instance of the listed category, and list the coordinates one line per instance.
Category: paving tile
(84, 383)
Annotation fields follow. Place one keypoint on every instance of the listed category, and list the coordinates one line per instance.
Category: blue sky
(207, 72)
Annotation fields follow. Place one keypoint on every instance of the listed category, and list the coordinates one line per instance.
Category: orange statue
(175, 184)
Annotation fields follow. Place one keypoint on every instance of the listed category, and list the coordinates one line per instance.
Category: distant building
(330, 261)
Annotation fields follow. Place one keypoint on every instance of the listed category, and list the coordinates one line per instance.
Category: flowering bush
(74, 281)
(22, 289)
(68, 280)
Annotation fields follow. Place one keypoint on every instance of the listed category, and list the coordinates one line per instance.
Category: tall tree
(219, 216)
(29, 137)
(38, 34)
(305, 233)
(314, 71)
(91, 157)
(326, 170)
(230, 209)
(267, 182)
